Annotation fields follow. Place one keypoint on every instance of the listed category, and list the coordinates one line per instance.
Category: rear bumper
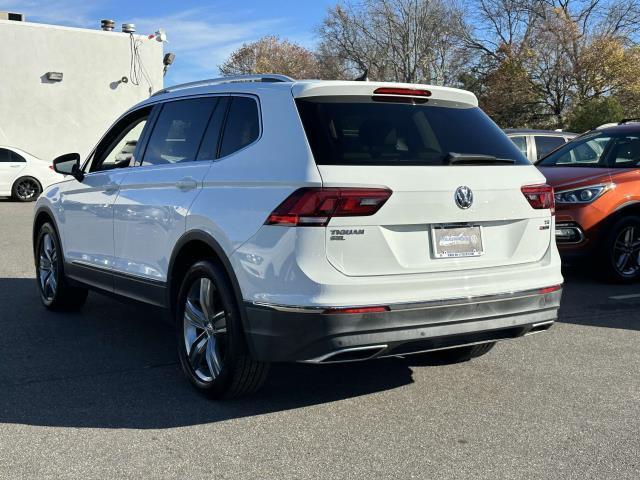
(287, 333)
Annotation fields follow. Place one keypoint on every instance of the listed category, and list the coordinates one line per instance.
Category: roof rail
(267, 78)
(628, 120)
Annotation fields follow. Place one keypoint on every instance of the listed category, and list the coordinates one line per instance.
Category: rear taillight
(540, 197)
(354, 310)
(546, 290)
(315, 206)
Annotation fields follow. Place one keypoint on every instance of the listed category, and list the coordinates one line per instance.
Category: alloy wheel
(27, 189)
(205, 329)
(48, 267)
(626, 251)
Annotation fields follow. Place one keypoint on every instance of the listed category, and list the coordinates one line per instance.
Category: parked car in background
(24, 176)
(596, 179)
(311, 221)
(535, 144)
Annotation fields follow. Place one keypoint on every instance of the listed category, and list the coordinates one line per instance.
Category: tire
(211, 346)
(462, 354)
(55, 292)
(26, 189)
(620, 255)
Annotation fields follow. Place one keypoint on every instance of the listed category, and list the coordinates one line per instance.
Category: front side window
(547, 144)
(588, 151)
(357, 130)
(122, 153)
(242, 127)
(179, 130)
(117, 148)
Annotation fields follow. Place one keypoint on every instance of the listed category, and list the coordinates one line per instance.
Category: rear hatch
(427, 147)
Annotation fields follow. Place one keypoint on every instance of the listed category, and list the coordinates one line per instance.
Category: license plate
(464, 241)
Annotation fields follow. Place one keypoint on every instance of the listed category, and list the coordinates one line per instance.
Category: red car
(596, 179)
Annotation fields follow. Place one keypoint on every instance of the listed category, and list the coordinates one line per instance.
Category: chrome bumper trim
(327, 356)
(450, 302)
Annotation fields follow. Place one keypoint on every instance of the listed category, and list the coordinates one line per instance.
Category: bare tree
(399, 40)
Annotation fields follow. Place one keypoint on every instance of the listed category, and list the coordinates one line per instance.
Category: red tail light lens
(545, 290)
(412, 92)
(315, 206)
(540, 197)
(357, 310)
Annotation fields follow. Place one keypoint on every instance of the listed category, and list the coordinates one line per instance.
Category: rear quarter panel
(240, 190)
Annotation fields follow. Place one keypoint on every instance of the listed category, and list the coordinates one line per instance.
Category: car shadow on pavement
(595, 303)
(114, 366)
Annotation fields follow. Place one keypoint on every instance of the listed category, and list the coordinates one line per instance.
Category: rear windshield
(360, 131)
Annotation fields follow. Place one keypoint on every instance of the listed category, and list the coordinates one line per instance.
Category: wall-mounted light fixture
(54, 76)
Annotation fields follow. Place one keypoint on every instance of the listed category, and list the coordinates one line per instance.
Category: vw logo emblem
(463, 197)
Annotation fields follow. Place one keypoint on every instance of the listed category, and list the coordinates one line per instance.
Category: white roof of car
(307, 88)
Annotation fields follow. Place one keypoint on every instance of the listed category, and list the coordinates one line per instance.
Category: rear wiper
(453, 158)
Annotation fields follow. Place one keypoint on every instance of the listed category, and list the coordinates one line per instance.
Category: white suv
(313, 221)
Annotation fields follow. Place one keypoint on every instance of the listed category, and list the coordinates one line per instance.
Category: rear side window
(521, 143)
(9, 156)
(546, 144)
(178, 131)
(242, 127)
(359, 131)
(211, 140)
(626, 152)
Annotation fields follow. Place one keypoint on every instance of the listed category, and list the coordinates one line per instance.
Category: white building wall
(51, 118)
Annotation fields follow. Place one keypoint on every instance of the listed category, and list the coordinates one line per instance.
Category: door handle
(14, 166)
(110, 188)
(186, 184)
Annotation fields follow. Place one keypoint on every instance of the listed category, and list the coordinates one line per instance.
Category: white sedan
(24, 176)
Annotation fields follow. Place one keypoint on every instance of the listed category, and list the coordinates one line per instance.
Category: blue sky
(201, 33)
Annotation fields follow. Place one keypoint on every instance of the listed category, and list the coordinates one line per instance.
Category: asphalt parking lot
(100, 395)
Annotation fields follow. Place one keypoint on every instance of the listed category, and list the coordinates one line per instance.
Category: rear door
(156, 195)
(407, 147)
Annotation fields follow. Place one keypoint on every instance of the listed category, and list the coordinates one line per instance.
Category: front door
(87, 206)
(155, 196)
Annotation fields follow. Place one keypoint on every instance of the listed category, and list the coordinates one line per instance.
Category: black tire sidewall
(608, 254)
(14, 190)
(47, 228)
(234, 341)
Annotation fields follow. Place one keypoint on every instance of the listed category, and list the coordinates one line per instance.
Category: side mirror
(69, 164)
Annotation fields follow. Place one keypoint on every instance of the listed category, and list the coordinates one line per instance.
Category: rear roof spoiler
(336, 88)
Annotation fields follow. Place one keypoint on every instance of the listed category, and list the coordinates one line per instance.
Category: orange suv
(596, 179)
